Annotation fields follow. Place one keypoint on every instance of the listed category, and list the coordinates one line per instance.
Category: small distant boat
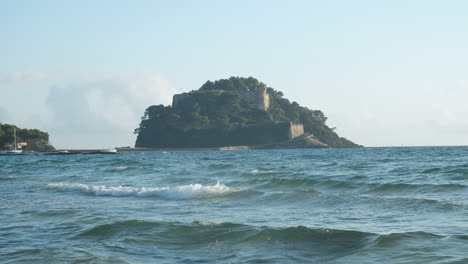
(108, 150)
(15, 150)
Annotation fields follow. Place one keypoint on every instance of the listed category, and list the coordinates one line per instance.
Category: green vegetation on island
(230, 112)
(26, 139)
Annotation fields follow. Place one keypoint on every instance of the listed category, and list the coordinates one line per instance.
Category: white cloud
(81, 110)
(4, 116)
(141, 89)
(463, 84)
(425, 113)
(104, 113)
(24, 76)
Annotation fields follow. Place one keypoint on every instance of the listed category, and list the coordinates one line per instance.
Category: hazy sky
(386, 73)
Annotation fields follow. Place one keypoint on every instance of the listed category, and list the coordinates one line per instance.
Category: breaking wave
(179, 192)
(255, 172)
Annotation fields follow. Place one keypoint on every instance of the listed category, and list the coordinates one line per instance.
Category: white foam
(218, 223)
(179, 192)
(262, 172)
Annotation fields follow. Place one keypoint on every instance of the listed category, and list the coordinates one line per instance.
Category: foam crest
(262, 172)
(179, 192)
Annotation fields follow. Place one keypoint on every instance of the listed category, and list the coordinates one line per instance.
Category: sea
(349, 206)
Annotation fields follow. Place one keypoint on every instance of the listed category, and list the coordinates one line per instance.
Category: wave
(118, 169)
(283, 183)
(202, 232)
(415, 188)
(60, 254)
(419, 202)
(459, 169)
(399, 239)
(220, 166)
(122, 162)
(315, 243)
(255, 172)
(350, 185)
(431, 170)
(179, 192)
(12, 172)
(46, 160)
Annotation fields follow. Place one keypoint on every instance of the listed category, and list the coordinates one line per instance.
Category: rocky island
(235, 112)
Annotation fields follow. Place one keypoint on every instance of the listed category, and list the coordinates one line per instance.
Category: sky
(385, 73)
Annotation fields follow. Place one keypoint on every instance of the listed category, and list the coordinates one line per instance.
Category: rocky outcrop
(234, 112)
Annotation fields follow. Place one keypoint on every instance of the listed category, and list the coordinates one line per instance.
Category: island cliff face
(235, 112)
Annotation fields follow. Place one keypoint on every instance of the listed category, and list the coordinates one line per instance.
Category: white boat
(15, 150)
(108, 150)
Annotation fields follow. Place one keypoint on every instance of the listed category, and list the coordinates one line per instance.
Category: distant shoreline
(119, 150)
(246, 148)
(185, 149)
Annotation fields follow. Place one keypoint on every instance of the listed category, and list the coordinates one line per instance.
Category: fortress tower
(259, 98)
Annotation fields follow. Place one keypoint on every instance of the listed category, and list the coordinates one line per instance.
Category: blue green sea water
(370, 205)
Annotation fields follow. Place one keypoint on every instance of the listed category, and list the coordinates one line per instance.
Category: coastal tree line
(35, 139)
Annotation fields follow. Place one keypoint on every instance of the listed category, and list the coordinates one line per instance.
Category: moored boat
(108, 150)
(14, 150)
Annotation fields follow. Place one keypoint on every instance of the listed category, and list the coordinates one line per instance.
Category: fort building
(258, 98)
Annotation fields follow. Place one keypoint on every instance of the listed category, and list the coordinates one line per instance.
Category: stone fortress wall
(177, 98)
(295, 130)
(259, 98)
